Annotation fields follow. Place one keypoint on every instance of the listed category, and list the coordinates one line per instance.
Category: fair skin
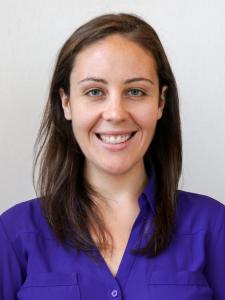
(105, 112)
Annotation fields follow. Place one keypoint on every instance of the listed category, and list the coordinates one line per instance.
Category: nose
(115, 109)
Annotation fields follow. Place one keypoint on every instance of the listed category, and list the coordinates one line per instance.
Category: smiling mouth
(115, 139)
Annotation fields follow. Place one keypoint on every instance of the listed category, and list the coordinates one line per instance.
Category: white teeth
(112, 139)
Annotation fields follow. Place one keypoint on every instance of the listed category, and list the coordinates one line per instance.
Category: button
(114, 293)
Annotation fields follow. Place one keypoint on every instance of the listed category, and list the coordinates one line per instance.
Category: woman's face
(114, 104)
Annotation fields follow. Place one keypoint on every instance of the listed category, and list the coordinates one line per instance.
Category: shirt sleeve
(11, 275)
(215, 260)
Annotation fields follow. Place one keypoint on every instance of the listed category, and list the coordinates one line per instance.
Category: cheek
(148, 118)
(82, 122)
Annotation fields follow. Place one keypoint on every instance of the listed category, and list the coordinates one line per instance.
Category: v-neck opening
(127, 259)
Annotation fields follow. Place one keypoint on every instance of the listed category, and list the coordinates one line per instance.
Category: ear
(65, 104)
(162, 101)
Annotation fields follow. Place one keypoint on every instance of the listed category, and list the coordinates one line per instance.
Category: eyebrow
(125, 82)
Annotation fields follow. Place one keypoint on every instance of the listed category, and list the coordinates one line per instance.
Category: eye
(137, 92)
(94, 92)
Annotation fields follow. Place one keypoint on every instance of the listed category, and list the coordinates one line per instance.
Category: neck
(118, 190)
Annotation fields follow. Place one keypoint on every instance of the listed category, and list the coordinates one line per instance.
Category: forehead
(116, 55)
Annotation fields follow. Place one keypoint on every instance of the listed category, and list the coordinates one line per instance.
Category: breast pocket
(47, 286)
(182, 285)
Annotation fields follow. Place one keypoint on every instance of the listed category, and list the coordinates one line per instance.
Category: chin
(116, 170)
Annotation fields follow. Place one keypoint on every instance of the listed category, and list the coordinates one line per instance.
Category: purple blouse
(34, 266)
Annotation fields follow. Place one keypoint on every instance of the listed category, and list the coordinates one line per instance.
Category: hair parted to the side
(66, 196)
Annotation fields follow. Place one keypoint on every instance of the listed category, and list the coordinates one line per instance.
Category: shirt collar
(148, 194)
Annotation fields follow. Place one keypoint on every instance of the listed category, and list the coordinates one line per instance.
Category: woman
(109, 221)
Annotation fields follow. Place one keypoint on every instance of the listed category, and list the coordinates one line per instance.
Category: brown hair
(66, 196)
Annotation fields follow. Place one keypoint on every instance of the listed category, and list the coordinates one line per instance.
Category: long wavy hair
(66, 196)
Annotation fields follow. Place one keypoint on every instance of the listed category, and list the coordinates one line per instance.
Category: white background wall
(193, 34)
